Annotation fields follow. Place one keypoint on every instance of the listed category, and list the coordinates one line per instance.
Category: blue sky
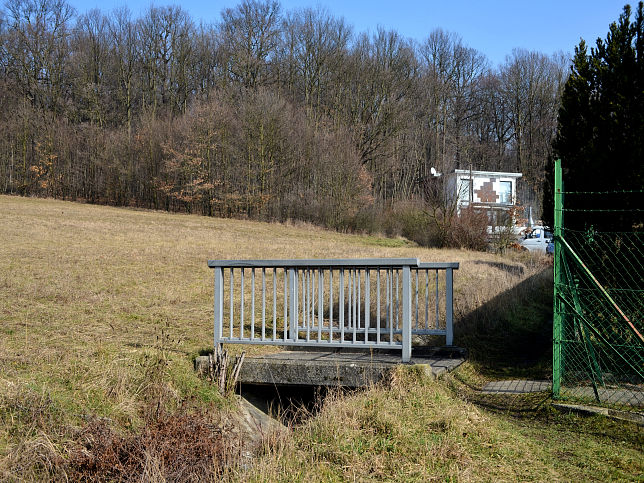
(493, 27)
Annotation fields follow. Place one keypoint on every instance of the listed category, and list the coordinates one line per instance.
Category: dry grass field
(102, 311)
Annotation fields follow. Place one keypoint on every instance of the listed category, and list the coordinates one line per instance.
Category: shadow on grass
(534, 414)
(506, 267)
(511, 334)
(510, 337)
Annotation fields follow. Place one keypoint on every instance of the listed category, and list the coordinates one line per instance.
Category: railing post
(406, 314)
(557, 317)
(449, 307)
(219, 305)
(293, 303)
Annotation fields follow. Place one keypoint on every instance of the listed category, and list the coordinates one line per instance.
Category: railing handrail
(332, 262)
(439, 265)
(321, 263)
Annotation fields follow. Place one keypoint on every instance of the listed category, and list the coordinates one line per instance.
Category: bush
(469, 230)
(410, 220)
(368, 219)
(416, 226)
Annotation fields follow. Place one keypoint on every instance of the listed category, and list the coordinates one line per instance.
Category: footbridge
(344, 321)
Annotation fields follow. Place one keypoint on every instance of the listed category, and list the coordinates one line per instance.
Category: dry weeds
(173, 446)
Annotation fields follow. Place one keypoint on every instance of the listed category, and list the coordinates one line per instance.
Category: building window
(505, 192)
(498, 219)
(465, 190)
(503, 218)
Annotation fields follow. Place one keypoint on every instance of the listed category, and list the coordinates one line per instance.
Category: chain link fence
(598, 351)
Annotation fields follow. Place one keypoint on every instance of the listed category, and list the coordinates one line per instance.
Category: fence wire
(599, 303)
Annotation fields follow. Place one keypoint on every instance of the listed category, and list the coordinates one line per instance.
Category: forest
(268, 114)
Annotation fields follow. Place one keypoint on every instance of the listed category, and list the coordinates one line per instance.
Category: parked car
(537, 240)
(550, 249)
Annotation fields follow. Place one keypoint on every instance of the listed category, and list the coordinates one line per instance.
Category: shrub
(181, 446)
(469, 230)
(410, 220)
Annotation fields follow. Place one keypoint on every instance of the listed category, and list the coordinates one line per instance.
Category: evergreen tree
(600, 135)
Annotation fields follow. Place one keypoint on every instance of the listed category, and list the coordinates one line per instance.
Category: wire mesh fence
(598, 352)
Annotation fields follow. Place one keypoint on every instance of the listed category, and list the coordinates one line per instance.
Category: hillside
(103, 310)
(269, 112)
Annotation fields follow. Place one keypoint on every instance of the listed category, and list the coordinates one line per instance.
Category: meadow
(102, 311)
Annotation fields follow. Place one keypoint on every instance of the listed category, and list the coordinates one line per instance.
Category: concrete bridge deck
(340, 368)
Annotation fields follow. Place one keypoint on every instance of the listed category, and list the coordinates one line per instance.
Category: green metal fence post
(557, 316)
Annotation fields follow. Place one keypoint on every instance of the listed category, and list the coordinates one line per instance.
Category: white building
(491, 191)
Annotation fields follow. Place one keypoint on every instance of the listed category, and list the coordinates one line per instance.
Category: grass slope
(416, 429)
(102, 310)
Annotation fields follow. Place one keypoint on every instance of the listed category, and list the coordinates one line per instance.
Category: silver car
(537, 240)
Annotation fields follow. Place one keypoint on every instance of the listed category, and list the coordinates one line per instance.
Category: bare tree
(208, 61)
(531, 86)
(165, 48)
(37, 47)
(250, 33)
(260, 114)
(379, 78)
(123, 55)
(89, 67)
(453, 72)
(492, 126)
(315, 41)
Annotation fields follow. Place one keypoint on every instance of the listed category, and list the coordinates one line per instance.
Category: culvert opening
(288, 404)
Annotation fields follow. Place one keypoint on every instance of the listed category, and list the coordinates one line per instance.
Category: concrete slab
(633, 417)
(346, 369)
(627, 397)
(516, 386)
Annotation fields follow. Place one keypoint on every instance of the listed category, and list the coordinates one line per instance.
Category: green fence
(598, 352)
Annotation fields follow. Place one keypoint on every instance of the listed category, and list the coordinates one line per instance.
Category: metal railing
(367, 303)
